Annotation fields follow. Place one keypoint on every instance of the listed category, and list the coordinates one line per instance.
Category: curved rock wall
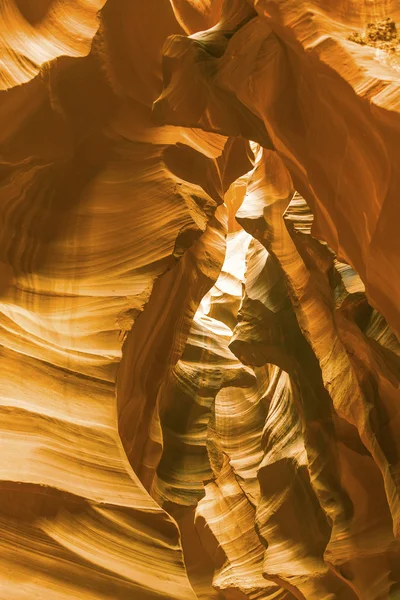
(199, 282)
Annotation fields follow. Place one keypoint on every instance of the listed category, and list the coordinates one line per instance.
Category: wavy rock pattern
(200, 365)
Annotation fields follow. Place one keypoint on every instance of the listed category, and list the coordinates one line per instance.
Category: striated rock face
(199, 301)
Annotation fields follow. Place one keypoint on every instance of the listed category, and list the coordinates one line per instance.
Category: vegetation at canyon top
(381, 34)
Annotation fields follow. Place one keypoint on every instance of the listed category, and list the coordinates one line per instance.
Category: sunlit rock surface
(199, 301)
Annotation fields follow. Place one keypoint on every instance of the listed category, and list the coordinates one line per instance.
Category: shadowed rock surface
(199, 300)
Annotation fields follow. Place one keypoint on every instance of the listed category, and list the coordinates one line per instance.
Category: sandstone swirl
(199, 301)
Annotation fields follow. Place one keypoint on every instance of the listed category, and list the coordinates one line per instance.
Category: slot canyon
(199, 300)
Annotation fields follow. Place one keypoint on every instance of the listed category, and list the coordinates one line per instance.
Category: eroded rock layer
(199, 301)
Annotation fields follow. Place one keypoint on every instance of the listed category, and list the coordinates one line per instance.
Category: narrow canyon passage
(199, 300)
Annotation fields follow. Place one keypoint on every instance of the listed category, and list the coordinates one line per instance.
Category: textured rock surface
(199, 314)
